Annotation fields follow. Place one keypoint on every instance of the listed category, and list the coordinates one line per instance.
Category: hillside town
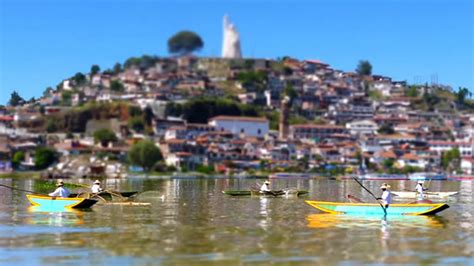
(239, 116)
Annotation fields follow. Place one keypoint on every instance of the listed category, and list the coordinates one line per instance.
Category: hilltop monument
(231, 42)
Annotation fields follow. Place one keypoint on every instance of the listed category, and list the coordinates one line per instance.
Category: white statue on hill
(231, 44)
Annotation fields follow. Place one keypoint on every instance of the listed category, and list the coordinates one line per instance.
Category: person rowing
(265, 187)
(386, 197)
(96, 187)
(420, 189)
(60, 191)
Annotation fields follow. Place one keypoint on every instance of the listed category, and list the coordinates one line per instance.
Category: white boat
(290, 176)
(413, 194)
(427, 176)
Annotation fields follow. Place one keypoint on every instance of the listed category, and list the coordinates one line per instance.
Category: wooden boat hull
(412, 194)
(56, 203)
(376, 209)
(257, 193)
(107, 195)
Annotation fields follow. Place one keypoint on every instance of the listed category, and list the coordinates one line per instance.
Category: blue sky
(45, 41)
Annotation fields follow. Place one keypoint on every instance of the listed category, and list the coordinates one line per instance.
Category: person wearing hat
(60, 191)
(419, 190)
(96, 187)
(265, 187)
(386, 197)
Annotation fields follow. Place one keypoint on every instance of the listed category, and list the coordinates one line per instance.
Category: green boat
(376, 209)
(268, 193)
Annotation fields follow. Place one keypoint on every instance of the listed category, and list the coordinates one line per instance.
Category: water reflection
(264, 212)
(349, 221)
(45, 216)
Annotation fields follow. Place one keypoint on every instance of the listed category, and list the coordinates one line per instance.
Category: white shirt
(60, 192)
(419, 190)
(386, 197)
(264, 187)
(96, 188)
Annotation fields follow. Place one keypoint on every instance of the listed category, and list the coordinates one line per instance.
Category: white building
(466, 149)
(362, 127)
(248, 126)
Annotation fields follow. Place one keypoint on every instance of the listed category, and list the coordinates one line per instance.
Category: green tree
(16, 99)
(66, 97)
(431, 100)
(44, 157)
(461, 95)
(134, 110)
(95, 69)
(144, 154)
(184, 42)
(205, 169)
(388, 163)
(451, 160)
(47, 91)
(201, 109)
(117, 68)
(253, 80)
(137, 123)
(117, 86)
(364, 68)
(51, 126)
(290, 92)
(18, 157)
(148, 115)
(104, 136)
(412, 91)
(79, 79)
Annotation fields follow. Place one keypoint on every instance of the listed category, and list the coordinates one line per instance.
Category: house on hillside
(241, 125)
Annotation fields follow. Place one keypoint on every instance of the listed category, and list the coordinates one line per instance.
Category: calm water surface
(190, 222)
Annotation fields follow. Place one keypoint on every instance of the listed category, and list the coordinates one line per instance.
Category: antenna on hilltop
(434, 79)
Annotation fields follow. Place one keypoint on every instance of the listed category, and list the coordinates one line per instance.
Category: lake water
(190, 222)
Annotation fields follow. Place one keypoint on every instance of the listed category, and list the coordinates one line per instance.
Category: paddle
(19, 189)
(383, 208)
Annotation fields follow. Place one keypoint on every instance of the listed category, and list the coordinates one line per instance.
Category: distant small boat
(427, 176)
(57, 203)
(412, 194)
(290, 176)
(271, 193)
(461, 177)
(376, 209)
(376, 176)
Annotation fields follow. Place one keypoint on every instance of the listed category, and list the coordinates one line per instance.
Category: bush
(137, 123)
(18, 157)
(104, 136)
(145, 154)
(44, 157)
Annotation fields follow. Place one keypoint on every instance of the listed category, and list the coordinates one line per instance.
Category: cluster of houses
(347, 126)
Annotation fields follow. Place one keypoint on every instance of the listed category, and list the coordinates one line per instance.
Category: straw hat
(59, 183)
(385, 185)
(97, 182)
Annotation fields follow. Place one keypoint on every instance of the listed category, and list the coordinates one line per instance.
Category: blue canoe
(376, 209)
(57, 203)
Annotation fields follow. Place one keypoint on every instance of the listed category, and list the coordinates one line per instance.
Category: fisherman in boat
(96, 187)
(386, 197)
(265, 187)
(60, 191)
(419, 190)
